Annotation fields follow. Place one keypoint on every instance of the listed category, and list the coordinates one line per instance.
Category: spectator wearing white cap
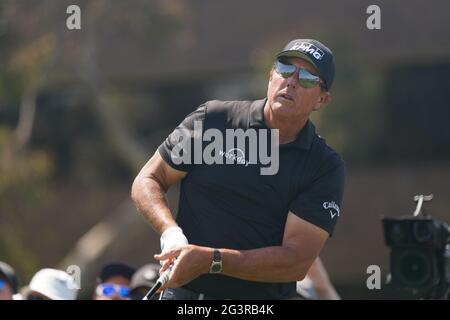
(52, 284)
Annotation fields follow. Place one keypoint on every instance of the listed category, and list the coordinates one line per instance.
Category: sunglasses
(109, 290)
(305, 78)
(2, 284)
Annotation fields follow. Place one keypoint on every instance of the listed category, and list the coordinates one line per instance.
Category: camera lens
(413, 268)
(423, 231)
(398, 233)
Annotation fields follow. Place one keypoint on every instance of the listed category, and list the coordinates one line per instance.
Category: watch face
(216, 267)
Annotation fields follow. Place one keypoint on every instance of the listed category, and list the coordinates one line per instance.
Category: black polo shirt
(234, 206)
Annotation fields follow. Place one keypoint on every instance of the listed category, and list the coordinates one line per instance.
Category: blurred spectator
(317, 284)
(114, 282)
(8, 281)
(23, 293)
(51, 284)
(143, 280)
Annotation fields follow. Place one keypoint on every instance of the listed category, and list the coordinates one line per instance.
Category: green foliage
(23, 174)
(24, 177)
(15, 251)
(351, 122)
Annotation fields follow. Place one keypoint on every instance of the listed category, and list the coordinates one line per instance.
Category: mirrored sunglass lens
(108, 291)
(124, 292)
(2, 284)
(306, 79)
(285, 70)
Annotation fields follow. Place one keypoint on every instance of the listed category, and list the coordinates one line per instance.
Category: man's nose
(292, 80)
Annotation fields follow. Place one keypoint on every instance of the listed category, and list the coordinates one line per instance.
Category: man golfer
(254, 212)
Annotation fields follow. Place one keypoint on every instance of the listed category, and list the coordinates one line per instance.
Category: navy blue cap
(315, 53)
(116, 269)
(8, 273)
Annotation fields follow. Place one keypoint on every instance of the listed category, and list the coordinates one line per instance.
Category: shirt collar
(256, 119)
(305, 138)
(256, 114)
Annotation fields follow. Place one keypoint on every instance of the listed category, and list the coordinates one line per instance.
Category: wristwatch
(216, 264)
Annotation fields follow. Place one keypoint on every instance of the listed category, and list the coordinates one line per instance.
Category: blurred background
(81, 111)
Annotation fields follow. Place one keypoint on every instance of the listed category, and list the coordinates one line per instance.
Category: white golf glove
(173, 238)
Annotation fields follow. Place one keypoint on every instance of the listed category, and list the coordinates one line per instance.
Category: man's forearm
(270, 264)
(149, 197)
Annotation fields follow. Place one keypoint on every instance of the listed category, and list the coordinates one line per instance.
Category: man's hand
(188, 262)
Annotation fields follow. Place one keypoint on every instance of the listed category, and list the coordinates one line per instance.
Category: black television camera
(420, 253)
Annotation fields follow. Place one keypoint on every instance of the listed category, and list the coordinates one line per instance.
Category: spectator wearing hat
(52, 284)
(114, 282)
(8, 282)
(143, 280)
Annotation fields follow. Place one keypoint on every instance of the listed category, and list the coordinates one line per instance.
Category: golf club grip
(162, 280)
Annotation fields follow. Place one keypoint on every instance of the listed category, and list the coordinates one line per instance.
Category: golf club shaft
(162, 280)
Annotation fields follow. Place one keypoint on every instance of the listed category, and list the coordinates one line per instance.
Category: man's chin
(281, 109)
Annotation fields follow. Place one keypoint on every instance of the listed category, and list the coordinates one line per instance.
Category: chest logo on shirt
(235, 154)
(231, 146)
(332, 208)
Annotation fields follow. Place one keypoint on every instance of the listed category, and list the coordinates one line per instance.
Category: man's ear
(323, 100)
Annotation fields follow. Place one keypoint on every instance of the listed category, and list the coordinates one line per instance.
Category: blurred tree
(39, 55)
(24, 173)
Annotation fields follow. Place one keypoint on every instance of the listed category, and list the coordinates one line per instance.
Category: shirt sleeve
(179, 147)
(320, 203)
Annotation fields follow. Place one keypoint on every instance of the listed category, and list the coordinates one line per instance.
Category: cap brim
(45, 292)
